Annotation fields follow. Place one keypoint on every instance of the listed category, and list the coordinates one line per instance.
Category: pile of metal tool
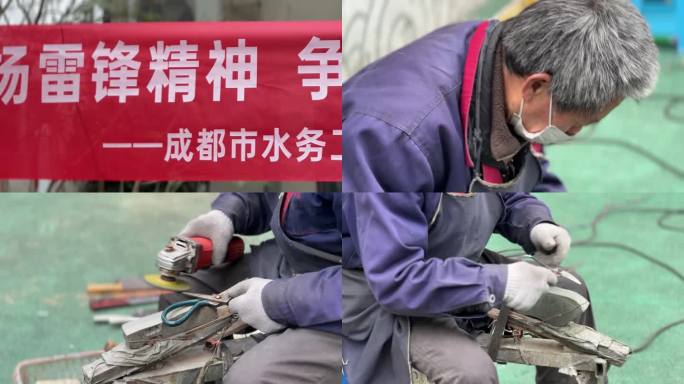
(182, 344)
(576, 350)
(185, 343)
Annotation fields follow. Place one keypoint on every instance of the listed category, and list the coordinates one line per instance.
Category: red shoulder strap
(472, 58)
(489, 174)
(537, 149)
(286, 204)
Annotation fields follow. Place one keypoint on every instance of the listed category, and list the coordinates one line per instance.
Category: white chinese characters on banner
(13, 76)
(245, 141)
(178, 146)
(275, 146)
(328, 69)
(211, 145)
(308, 143)
(116, 73)
(234, 67)
(174, 70)
(180, 61)
(338, 133)
(61, 83)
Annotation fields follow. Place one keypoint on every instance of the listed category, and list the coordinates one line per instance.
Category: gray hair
(597, 51)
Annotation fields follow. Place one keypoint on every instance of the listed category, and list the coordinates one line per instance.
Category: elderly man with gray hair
(467, 107)
(461, 110)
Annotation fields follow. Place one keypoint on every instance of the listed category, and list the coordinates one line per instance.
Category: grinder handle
(235, 251)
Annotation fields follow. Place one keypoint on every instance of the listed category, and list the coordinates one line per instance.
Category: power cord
(673, 100)
(591, 242)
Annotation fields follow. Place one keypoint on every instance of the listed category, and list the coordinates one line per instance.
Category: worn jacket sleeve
(312, 300)
(373, 153)
(390, 231)
(522, 211)
(250, 212)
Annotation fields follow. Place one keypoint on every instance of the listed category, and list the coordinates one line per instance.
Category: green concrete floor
(655, 124)
(631, 297)
(53, 245)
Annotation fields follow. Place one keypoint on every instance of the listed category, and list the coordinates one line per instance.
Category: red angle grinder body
(185, 255)
(205, 248)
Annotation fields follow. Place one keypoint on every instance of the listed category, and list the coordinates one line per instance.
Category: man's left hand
(247, 303)
(552, 243)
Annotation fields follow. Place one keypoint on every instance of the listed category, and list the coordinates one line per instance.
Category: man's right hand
(217, 227)
(526, 284)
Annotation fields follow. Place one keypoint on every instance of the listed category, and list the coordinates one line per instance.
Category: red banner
(172, 101)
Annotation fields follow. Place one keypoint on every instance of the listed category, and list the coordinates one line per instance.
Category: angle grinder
(185, 255)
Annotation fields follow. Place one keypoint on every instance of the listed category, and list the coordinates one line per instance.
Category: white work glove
(217, 227)
(552, 243)
(246, 302)
(526, 284)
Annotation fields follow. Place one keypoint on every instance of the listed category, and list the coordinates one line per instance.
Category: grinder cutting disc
(157, 281)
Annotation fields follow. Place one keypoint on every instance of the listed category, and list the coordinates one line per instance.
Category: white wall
(373, 28)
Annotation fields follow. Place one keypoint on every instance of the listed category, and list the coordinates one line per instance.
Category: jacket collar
(491, 142)
(503, 143)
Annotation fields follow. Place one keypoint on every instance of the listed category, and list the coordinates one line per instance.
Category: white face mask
(549, 135)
